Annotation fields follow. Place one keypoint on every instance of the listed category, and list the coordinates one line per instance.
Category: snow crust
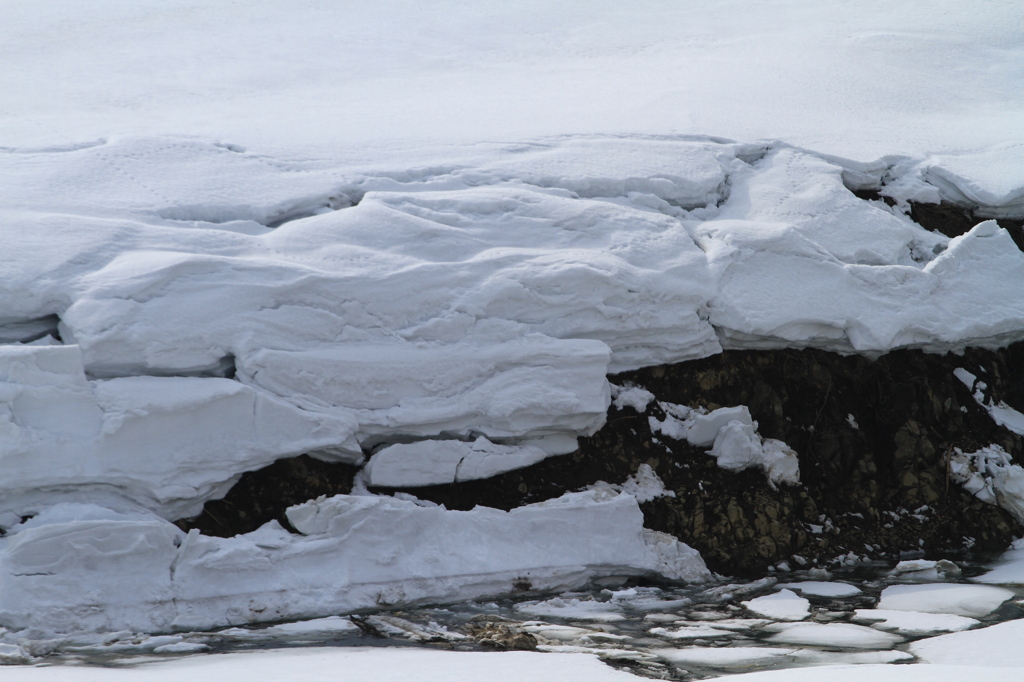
(992, 647)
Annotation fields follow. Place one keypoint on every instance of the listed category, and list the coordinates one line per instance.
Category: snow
(732, 433)
(321, 664)
(1001, 413)
(816, 588)
(782, 605)
(839, 635)
(429, 235)
(913, 623)
(644, 485)
(994, 646)
(144, 574)
(436, 462)
(990, 475)
(973, 601)
(578, 609)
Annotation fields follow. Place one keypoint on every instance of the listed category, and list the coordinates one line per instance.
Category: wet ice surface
(661, 632)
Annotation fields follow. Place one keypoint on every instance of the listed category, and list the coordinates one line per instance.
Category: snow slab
(322, 664)
(817, 588)
(438, 462)
(992, 647)
(782, 605)
(82, 567)
(913, 623)
(973, 601)
(837, 635)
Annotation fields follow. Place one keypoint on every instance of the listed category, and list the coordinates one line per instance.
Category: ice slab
(994, 646)
(816, 588)
(838, 635)
(973, 601)
(783, 605)
(913, 623)
(438, 462)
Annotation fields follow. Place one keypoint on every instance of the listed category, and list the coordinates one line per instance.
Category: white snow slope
(337, 227)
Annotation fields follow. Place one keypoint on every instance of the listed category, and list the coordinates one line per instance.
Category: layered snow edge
(78, 567)
(453, 321)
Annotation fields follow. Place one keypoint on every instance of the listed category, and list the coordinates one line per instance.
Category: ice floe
(782, 605)
(973, 601)
(994, 646)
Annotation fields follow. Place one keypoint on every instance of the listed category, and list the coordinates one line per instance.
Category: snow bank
(66, 569)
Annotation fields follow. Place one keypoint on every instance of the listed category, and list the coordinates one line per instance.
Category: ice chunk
(913, 623)
(783, 605)
(823, 589)
(973, 601)
(839, 635)
(738, 447)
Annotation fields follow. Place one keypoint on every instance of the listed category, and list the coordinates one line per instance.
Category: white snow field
(421, 236)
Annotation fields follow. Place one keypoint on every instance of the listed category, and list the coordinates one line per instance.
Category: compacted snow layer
(83, 567)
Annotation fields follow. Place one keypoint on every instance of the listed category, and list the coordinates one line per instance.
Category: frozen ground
(425, 236)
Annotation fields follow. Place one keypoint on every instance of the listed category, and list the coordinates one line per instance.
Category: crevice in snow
(235, 218)
(30, 331)
(224, 368)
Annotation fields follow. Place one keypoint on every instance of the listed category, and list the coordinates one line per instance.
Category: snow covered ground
(426, 235)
